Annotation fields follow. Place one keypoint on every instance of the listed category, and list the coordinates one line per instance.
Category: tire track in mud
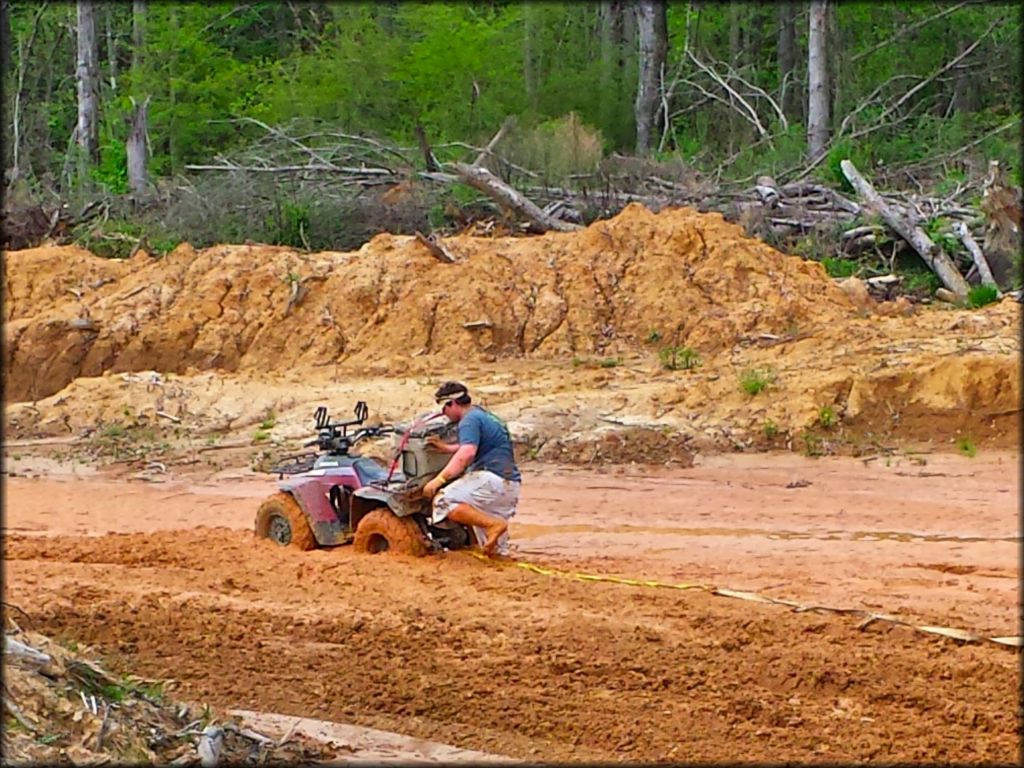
(510, 661)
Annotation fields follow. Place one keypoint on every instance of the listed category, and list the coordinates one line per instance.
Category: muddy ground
(876, 473)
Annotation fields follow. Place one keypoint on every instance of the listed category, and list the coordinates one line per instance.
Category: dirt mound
(684, 277)
(576, 338)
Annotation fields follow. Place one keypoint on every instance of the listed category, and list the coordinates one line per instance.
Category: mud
(877, 471)
(167, 578)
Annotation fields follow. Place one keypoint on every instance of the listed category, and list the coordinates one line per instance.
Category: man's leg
(493, 525)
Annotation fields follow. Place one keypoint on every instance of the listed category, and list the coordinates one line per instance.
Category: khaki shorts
(487, 492)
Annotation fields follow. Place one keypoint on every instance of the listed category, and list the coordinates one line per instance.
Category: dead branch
(428, 154)
(750, 112)
(984, 272)
(944, 68)
(494, 141)
(509, 199)
(934, 257)
(906, 30)
(436, 248)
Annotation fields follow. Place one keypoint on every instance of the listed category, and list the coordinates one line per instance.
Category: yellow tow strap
(870, 617)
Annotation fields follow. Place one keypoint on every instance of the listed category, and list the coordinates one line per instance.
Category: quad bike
(334, 496)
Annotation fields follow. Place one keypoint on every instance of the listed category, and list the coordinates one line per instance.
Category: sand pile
(686, 278)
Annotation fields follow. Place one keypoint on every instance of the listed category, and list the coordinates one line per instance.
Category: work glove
(431, 488)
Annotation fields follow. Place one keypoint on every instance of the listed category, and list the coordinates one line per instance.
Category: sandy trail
(166, 578)
(935, 538)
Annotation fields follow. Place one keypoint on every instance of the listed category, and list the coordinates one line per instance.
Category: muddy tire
(281, 520)
(383, 531)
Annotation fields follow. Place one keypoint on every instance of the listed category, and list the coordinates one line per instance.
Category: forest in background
(318, 124)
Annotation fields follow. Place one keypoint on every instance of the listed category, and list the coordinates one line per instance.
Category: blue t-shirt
(493, 444)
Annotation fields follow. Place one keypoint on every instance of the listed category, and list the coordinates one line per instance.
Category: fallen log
(508, 198)
(933, 256)
(984, 273)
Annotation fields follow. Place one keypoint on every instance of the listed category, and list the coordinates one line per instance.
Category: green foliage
(610, 362)
(833, 165)
(654, 337)
(980, 295)
(558, 148)
(676, 358)
(967, 447)
(755, 380)
(112, 171)
(827, 417)
(770, 429)
(288, 224)
(459, 69)
(812, 444)
(840, 267)
(117, 238)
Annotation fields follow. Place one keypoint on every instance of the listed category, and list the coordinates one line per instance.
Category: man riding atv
(479, 486)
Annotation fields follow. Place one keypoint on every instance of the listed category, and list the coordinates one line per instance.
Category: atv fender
(370, 497)
(328, 532)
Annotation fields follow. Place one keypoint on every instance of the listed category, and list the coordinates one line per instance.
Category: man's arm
(439, 445)
(456, 465)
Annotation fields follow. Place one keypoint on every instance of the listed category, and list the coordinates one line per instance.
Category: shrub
(756, 380)
(967, 447)
(558, 148)
(840, 267)
(676, 358)
(827, 417)
(980, 295)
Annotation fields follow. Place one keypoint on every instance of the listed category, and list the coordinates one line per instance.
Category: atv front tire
(383, 531)
(281, 520)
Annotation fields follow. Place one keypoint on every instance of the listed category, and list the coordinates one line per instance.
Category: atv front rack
(295, 465)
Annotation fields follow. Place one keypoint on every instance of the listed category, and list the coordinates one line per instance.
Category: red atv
(334, 497)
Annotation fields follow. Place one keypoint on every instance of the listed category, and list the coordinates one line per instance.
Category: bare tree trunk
(12, 151)
(108, 11)
(5, 70)
(87, 78)
(137, 146)
(628, 50)
(965, 95)
(138, 34)
(5, 38)
(135, 149)
(610, 19)
(834, 44)
(530, 55)
(734, 33)
(653, 32)
(787, 58)
(817, 79)
(172, 144)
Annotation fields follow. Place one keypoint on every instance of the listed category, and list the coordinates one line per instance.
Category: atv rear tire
(281, 520)
(383, 531)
